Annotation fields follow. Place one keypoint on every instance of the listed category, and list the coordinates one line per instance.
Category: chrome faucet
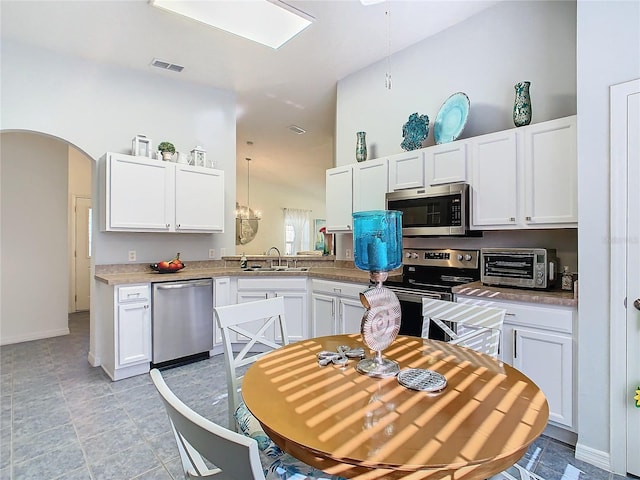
(269, 252)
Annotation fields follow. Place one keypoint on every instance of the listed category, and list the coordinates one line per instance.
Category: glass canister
(377, 240)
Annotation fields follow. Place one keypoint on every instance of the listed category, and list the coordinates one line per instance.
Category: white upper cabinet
(144, 195)
(370, 180)
(199, 199)
(137, 194)
(550, 171)
(525, 177)
(447, 163)
(339, 199)
(494, 179)
(407, 170)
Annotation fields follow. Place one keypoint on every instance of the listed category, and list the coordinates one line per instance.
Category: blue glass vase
(377, 240)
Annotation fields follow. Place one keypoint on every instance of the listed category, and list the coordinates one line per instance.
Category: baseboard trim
(93, 360)
(561, 434)
(594, 457)
(34, 336)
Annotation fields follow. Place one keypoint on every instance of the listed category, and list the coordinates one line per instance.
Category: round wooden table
(356, 426)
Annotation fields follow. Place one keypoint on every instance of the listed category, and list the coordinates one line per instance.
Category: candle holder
(377, 238)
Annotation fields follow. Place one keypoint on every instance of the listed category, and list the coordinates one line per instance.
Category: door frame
(619, 395)
(72, 292)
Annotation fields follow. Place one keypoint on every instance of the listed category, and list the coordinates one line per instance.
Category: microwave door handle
(552, 271)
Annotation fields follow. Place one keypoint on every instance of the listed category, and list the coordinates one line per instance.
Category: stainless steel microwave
(434, 211)
(535, 268)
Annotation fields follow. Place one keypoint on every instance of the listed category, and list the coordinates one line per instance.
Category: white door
(82, 249)
(633, 280)
(625, 276)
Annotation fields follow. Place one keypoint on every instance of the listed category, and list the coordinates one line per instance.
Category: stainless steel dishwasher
(182, 319)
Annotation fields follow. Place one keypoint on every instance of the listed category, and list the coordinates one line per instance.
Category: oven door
(411, 309)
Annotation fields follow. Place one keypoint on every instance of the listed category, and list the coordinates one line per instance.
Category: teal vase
(522, 105)
(361, 146)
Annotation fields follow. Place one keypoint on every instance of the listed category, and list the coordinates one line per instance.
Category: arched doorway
(42, 177)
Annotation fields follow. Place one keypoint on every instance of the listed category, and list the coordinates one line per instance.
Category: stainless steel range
(431, 273)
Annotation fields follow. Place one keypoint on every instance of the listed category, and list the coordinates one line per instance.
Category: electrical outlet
(348, 253)
(212, 253)
(223, 252)
(132, 255)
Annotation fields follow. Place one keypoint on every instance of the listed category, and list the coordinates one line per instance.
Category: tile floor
(62, 419)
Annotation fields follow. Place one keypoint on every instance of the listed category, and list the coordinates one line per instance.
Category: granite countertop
(548, 297)
(338, 271)
(335, 273)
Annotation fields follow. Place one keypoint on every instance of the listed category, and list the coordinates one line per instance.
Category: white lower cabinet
(221, 297)
(336, 307)
(538, 340)
(126, 329)
(294, 291)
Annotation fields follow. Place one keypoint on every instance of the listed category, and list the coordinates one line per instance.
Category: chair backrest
(235, 455)
(257, 323)
(476, 326)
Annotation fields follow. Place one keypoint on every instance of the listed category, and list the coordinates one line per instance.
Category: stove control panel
(441, 257)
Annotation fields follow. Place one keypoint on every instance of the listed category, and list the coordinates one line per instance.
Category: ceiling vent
(297, 129)
(166, 65)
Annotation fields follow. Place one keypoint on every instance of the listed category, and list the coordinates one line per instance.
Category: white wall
(98, 108)
(271, 198)
(33, 244)
(484, 56)
(608, 53)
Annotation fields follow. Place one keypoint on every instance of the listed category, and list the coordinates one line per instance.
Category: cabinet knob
(178, 225)
(512, 219)
(636, 303)
(168, 225)
(528, 218)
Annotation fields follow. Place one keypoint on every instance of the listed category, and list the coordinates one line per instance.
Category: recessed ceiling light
(269, 22)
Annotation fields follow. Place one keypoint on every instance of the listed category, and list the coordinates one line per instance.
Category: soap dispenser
(567, 279)
(243, 261)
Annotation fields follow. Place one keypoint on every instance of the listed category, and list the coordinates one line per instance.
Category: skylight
(269, 22)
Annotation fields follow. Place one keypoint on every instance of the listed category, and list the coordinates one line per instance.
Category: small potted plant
(167, 149)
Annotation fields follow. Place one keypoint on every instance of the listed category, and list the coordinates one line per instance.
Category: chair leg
(524, 474)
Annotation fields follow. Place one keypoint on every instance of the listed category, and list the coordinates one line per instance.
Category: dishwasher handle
(183, 285)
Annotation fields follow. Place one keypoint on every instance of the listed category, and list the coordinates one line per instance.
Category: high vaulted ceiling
(294, 85)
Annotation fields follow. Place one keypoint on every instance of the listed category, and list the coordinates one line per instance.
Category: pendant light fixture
(245, 212)
(247, 218)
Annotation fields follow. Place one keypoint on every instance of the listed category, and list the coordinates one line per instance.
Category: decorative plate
(415, 132)
(451, 118)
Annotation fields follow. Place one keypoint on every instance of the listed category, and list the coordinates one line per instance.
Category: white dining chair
(198, 438)
(232, 455)
(251, 327)
(474, 326)
(479, 328)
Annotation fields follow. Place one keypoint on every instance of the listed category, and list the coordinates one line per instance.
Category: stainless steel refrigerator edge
(182, 319)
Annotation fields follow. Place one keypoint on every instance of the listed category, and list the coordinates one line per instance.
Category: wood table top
(356, 426)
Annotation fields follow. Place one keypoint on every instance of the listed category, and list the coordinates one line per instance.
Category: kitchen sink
(276, 269)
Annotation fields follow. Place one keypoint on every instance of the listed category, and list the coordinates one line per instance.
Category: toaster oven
(535, 268)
